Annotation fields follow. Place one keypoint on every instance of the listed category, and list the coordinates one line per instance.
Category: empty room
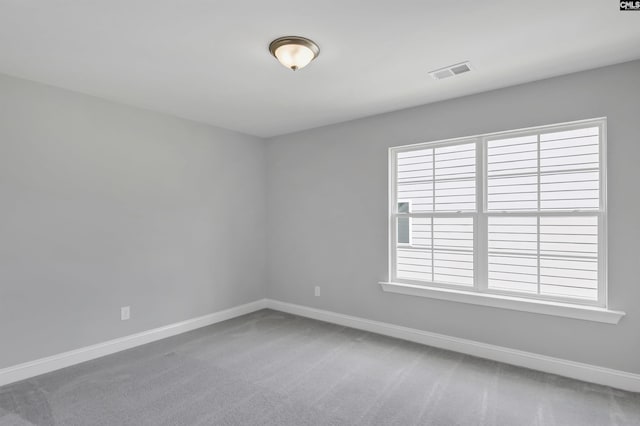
(319, 213)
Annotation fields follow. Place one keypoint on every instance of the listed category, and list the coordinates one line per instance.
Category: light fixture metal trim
(296, 41)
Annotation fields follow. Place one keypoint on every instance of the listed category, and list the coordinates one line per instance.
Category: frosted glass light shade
(294, 56)
(294, 52)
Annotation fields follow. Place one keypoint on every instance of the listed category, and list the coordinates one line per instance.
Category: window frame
(394, 214)
(481, 216)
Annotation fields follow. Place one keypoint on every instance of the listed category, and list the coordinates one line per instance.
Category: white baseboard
(45, 365)
(575, 370)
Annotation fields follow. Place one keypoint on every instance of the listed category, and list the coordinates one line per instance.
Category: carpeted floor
(270, 368)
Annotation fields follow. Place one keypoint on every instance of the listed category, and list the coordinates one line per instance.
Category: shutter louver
(570, 170)
(436, 180)
(552, 171)
(518, 213)
(453, 250)
(512, 174)
(553, 256)
(569, 257)
(513, 254)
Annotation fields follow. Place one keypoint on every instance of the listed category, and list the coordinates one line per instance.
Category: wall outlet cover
(125, 313)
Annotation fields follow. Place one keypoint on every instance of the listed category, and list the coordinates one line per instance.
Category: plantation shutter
(544, 192)
(439, 187)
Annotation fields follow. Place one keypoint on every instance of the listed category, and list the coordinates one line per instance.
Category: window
(404, 223)
(519, 213)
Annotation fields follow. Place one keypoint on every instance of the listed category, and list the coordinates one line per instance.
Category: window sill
(587, 313)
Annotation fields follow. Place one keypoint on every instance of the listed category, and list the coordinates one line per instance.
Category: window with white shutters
(518, 213)
(438, 185)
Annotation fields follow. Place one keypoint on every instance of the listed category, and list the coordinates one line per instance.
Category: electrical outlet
(317, 291)
(125, 313)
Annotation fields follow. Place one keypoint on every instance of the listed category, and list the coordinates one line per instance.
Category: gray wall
(327, 214)
(104, 205)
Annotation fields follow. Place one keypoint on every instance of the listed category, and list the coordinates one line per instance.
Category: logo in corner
(630, 5)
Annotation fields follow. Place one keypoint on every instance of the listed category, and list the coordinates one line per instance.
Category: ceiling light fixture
(294, 52)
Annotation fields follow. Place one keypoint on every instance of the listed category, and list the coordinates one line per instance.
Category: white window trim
(479, 295)
(538, 306)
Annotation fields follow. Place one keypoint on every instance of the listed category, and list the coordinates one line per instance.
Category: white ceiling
(207, 60)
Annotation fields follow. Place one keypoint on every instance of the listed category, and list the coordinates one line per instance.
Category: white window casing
(516, 219)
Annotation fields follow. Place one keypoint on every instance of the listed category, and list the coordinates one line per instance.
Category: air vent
(450, 71)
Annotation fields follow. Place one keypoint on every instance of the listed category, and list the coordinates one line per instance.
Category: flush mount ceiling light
(294, 52)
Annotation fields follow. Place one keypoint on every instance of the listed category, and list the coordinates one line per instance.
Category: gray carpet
(270, 368)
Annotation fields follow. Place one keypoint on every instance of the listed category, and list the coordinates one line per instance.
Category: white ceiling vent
(450, 71)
